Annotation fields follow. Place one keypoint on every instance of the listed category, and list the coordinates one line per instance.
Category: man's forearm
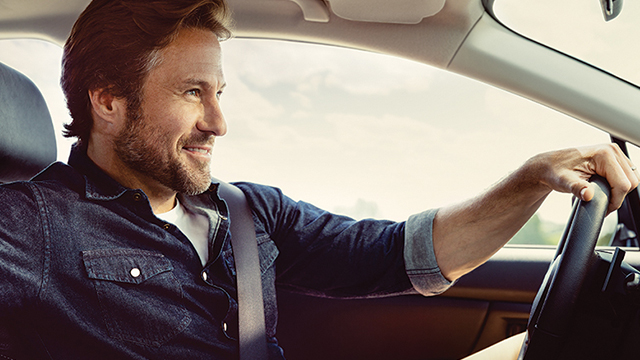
(467, 234)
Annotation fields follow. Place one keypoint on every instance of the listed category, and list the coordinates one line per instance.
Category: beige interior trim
(313, 10)
(433, 41)
(495, 55)
(385, 11)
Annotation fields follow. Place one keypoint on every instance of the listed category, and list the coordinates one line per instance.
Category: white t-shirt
(194, 226)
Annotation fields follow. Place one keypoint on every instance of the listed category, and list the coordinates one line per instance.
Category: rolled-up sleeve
(419, 256)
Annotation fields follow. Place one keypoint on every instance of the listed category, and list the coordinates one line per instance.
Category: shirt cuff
(419, 257)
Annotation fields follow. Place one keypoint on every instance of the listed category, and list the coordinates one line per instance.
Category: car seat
(27, 146)
(27, 139)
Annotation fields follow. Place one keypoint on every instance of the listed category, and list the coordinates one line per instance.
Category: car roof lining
(440, 34)
(49, 20)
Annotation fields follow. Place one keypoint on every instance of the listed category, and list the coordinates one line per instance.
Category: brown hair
(114, 44)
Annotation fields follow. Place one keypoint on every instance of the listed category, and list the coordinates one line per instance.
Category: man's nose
(213, 120)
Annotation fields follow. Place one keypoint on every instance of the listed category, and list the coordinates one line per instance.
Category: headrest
(27, 138)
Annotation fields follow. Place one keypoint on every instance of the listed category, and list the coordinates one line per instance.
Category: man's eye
(193, 92)
(218, 94)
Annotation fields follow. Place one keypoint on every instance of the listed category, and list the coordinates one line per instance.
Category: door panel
(482, 308)
(403, 327)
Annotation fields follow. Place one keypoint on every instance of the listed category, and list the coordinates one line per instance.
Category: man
(97, 273)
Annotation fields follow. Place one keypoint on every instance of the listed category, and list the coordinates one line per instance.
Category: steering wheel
(550, 313)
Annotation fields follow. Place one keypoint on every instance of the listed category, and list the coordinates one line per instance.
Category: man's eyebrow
(202, 83)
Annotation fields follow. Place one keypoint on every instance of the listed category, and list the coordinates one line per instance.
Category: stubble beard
(147, 149)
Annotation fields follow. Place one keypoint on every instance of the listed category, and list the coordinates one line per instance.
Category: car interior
(28, 146)
(576, 300)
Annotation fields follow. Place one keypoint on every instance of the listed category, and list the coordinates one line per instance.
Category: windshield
(578, 28)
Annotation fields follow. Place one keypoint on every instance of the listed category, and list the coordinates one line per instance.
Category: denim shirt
(93, 274)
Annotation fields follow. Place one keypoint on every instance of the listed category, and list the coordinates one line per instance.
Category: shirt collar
(99, 185)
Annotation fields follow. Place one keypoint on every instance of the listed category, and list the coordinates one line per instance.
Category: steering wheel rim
(550, 313)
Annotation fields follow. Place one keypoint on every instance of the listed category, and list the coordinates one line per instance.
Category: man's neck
(161, 198)
(161, 203)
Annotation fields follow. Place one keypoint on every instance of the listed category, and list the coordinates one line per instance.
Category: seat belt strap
(251, 324)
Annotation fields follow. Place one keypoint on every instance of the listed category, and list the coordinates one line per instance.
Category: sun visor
(379, 11)
(386, 11)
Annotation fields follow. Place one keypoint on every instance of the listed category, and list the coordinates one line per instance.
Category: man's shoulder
(260, 195)
(255, 189)
(256, 194)
(56, 177)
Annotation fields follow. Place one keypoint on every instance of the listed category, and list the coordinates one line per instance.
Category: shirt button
(137, 196)
(166, 226)
(223, 217)
(135, 272)
(225, 327)
(205, 276)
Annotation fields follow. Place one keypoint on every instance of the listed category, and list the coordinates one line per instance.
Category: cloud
(407, 152)
(360, 210)
(302, 99)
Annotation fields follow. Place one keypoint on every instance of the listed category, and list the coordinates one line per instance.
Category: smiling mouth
(203, 151)
(198, 153)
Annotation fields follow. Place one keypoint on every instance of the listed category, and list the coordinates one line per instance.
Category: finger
(610, 162)
(586, 193)
(630, 170)
(620, 179)
(576, 183)
(624, 179)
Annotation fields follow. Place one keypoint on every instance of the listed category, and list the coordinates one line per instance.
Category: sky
(358, 133)
(400, 136)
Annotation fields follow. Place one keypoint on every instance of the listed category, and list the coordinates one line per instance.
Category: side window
(362, 134)
(371, 135)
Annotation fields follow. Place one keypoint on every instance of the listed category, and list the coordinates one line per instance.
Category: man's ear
(109, 112)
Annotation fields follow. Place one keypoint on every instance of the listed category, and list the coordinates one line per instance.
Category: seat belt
(251, 324)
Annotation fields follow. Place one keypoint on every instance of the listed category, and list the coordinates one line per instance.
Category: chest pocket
(139, 296)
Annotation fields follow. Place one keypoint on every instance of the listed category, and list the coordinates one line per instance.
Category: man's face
(171, 140)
